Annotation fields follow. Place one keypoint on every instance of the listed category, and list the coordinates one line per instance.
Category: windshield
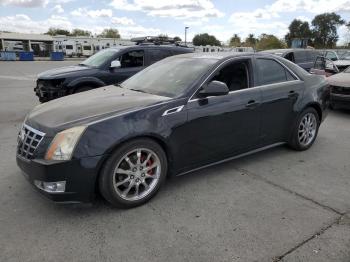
(169, 77)
(345, 56)
(100, 58)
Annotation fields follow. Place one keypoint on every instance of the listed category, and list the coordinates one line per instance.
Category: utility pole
(186, 34)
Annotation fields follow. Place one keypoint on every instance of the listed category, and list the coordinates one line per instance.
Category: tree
(80, 32)
(298, 29)
(177, 39)
(57, 31)
(269, 42)
(251, 41)
(205, 39)
(235, 41)
(325, 29)
(110, 33)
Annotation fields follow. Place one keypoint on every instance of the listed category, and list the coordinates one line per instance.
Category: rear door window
(300, 56)
(272, 72)
(154, 55)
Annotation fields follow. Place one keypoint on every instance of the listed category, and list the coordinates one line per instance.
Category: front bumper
(80, 176)
(340, 100)
(47, 93)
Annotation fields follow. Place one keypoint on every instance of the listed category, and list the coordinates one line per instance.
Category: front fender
(88, 80)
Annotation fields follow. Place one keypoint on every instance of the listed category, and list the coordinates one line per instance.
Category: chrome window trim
(253, 87)
(246, 89)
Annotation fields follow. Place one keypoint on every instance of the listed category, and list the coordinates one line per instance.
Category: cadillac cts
(180, 114)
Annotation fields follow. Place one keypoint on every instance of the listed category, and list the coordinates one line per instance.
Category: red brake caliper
(150, 163)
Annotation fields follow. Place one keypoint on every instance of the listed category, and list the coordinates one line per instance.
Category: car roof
(151, 46)
(214, 55)
(282, 51)
(222, 55)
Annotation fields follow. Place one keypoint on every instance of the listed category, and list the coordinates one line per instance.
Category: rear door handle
(292, 94)
(252, 104)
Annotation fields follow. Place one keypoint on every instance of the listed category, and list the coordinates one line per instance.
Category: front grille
(341, 90)
(28, 141)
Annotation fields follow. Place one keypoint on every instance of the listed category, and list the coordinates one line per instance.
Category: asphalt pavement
(276, 205)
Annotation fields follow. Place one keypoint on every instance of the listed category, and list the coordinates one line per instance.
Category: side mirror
(115, 64)
(214, 88)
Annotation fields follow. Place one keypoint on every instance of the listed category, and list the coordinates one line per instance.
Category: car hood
(65, 71)
(341, 79)
(85, 107)
(342, 63)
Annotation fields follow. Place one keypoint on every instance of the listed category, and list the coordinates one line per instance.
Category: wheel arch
(160, 141)
(85, 81)
(315, 106)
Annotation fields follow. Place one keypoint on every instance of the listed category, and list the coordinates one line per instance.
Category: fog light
(51, 187)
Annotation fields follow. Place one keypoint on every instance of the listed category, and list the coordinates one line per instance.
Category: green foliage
(325, 29)
(250, 41)
(235, 41)
(298, 29)
(269, 42)
(177, 39)
(80, 32)
(110, 33)
(57, 31)
(205, 39)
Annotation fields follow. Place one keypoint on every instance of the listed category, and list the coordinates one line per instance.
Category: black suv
(109, 66)
(305, 58)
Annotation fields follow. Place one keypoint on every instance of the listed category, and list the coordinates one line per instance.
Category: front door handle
(292, 94)
(252, 104)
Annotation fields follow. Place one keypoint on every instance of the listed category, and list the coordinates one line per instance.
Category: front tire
(305, 130)
(133, 174)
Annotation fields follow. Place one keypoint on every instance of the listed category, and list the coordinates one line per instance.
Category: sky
(152, 17)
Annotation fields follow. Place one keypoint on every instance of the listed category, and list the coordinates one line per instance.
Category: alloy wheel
(307, 129)
(136, 174)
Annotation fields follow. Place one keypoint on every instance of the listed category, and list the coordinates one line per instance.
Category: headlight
(62, 146)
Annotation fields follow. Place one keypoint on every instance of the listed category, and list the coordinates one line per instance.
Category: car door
(131, 62)
(324, 66)
(280, 89)
(222, 126)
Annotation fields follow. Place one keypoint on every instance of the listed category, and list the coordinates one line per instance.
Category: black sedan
(181, 114)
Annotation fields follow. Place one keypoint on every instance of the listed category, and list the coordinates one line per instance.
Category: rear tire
(133, 174)
(305, 130)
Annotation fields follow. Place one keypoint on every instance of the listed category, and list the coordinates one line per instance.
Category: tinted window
(290, 77)
(234, 75)
(290, 56)
(271, 72)
(156, 55)
(300, 56)
(132, 59)
(69, 47)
